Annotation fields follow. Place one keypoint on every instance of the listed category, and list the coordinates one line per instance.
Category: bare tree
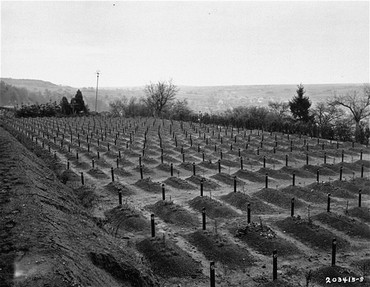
(326, 117)
(357, 104)
(159, 95)
(279, 108)
(326, 114)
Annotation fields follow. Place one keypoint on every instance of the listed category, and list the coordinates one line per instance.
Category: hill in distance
(200, 98)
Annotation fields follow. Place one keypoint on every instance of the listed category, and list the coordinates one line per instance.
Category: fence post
(212, 274)
(274, 265)
(204, 218)
(152, 224)
(333, 251)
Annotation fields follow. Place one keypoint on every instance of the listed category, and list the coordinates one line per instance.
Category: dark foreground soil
(47, 237)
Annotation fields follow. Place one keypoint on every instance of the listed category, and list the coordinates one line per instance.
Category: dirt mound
(126, 218)
(148, 185)
(209, 164)
(278, 174)
(305, 194)
(268, 160)
(131, 153)
(47, 238)
(347, 185)
(336, 168)
(278, 198)
(102, 163)
(111, 154)
(179, 183)
(121, 271)
(97, 173)
(366, 163)
(328, 187)
(310, 233)
(166, 167)
(305, 173)
(189, 166)
(323, 170)
(218, 248)
(344, 224)
(363, 184)
(149, 160)
(174, 214)
(360, 212)
(230, 163)
(116, 187)
(170, 159)
(264, 239)
(123, 162)
(214, 209)
(167, 259)
(227, 178)
(122, 172)
(241, 200)
(208, 185)
(69, 175)
(249, 175)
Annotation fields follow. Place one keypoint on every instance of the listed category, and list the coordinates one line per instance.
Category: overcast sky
(193, 43)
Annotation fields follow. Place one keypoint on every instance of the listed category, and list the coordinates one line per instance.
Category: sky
(134, 43)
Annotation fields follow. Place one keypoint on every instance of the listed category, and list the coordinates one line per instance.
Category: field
(79, 205)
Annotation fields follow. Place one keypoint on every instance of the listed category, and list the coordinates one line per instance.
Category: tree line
(76, 106)
(342, 117)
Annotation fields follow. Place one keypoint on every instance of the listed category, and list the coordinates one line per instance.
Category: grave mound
(216, 247)
(173, 214)
(214, 209)
(167, 259)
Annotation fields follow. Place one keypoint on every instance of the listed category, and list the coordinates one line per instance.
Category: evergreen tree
(65, 106)
(77, 103)
(300, 105)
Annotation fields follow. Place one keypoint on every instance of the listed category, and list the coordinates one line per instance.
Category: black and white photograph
(185, 143)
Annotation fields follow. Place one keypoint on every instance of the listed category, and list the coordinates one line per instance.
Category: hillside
(200, 98)
(48, 238)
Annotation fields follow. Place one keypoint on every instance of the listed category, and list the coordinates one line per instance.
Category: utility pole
(96, 98)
